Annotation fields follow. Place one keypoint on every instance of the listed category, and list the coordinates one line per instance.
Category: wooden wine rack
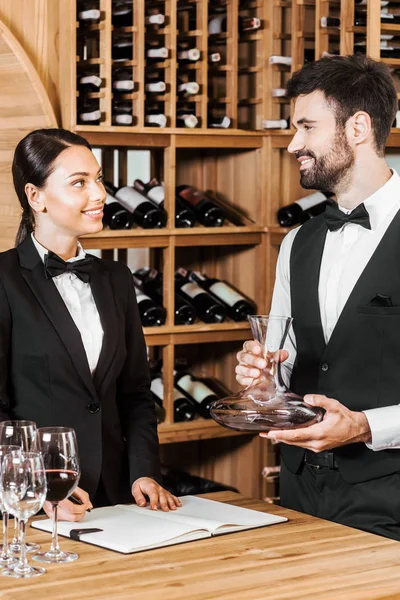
(245, 164)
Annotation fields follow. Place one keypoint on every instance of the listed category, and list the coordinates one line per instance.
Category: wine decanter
(267, 403)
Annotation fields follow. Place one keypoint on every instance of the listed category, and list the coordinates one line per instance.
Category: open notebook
(129, 528)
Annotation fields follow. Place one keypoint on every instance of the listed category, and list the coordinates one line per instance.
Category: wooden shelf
(197, 333)
(160, 238)
(199, 429)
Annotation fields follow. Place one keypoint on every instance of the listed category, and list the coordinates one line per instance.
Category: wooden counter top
(305, 558)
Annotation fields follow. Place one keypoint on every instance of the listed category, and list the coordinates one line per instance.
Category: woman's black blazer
(45, 376)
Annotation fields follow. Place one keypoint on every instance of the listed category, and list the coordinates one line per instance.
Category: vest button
(93, 408)
(324, 367)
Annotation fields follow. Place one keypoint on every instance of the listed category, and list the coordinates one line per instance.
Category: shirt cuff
(385, 427)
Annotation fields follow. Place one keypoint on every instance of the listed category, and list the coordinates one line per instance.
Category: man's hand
(252, 364)
(67, 510)
(340, 426)
(158, 496)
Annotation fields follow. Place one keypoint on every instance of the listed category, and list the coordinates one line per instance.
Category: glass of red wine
(59, 449)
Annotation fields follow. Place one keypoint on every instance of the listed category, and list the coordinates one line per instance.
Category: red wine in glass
(60, 483)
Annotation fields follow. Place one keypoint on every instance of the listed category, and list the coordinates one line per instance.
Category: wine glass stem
(55, 548)
(15, 539)
(5, 554)
(22, 565)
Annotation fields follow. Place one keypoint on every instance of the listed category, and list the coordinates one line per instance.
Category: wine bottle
(155, 87)
(122, 113)
(154, 190)
(122, 48)
(155, 19)
(115, 215)
(156, 53)
(208, 309)
(89, 82)
(280, 60)
(303, 209)
(155, 119)
(330, 22)
(214, 57)
(151, 315)
(278, 92)
(184, 407)
(185, 119)
(207, 212)
(122, 14)
(89, 13)
(237, 306)
(188, 88)
(218, 24)
(198, 391)
(151, 282)
(189, 55)
(219, 122)
(144, 213)
(275, 124)
(89, 112)
(122, 81)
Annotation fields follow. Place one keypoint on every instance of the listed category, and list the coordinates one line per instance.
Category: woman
(72, 351)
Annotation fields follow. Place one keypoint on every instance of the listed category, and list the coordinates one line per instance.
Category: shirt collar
(43, 251)
(383, 201)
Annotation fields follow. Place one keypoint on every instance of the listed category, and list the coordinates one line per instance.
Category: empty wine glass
(23, 484)
(60, 456)
(267, 403)
(22, 433)
(5, 558)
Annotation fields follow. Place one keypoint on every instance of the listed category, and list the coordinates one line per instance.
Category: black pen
(76, 500)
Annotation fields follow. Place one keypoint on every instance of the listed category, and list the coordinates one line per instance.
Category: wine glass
(5, 558)
(59, 449)
(19, 433)
(23, 484)
(267, 403)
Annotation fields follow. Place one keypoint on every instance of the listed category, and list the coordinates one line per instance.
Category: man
(338, 276)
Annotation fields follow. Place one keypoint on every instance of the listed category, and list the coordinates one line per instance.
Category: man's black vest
(360, 365)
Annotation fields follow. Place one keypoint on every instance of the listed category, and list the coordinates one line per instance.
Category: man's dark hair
(351, 83)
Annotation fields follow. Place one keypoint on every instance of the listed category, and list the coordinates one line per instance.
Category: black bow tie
(336, 218)
(54, 265)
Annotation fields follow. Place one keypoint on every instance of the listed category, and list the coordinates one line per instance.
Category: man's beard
(328, 170)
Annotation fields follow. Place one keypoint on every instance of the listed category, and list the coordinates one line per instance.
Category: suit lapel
(104, 299)
(54, 307)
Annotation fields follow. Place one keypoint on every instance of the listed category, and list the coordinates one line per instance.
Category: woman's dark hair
(33, 162)
(351, 83)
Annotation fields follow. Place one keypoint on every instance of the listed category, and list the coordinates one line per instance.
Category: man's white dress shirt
(78, 299)
(345, 256)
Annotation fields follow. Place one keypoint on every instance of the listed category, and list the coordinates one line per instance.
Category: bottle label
(192, 195)
(124, 84)
(140, 296)
(123, 119)
(280, 60)
(95, 115)
(215, 25)
(157, 387)
(160, 120)
(157, 86)
(109, 199)
(157, 53)
(226, 293)
(196, 389)
(156, 194)
(311, 200)
(177, 394)
(192, 289)
(89, 15)
(90, 80)
(130, 198)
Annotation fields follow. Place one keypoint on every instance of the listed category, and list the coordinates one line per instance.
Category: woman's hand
(252, 364)
(67, 510)
(157, 495)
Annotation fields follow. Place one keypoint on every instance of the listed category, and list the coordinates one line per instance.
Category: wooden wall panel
(24, 106)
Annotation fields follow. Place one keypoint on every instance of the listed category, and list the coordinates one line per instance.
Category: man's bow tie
(54, 265)
(336, 218)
